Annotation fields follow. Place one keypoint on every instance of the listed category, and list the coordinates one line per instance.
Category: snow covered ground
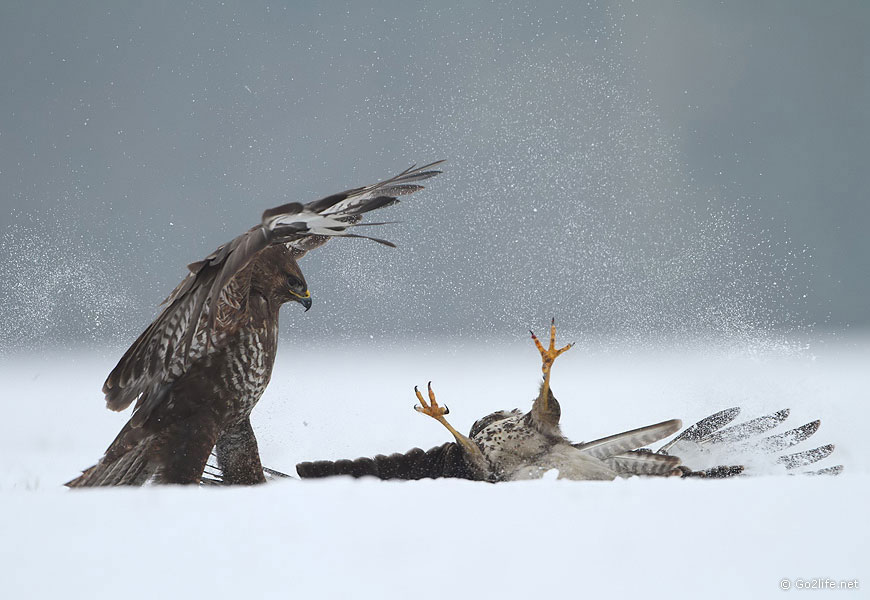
(346, 538)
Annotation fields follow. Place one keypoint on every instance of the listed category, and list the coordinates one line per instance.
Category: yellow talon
(549, 355)
(474, 455)
(432, 409)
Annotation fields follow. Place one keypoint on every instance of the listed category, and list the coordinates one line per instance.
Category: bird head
(295, 287)
(298, 290)
(277, 276)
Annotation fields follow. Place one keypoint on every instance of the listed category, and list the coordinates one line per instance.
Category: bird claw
(432, 408)
(549, 355)
(473, 455)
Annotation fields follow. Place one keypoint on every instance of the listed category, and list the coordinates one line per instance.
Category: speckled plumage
(514, 449)
(517, 446)
(196, 373)
(204, 399)
(512, 445)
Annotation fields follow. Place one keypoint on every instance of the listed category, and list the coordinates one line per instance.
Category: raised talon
(473, 454)
(432, 409)
(548, 355)
(541, 406)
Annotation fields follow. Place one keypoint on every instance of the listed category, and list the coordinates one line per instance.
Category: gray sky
(632, 168)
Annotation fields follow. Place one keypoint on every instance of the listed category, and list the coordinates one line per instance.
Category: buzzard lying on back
(199, 369)
(512, 445)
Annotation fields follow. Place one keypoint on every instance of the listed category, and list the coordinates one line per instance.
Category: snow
(341, 537)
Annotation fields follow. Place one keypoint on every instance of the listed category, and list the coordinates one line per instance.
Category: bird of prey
(512, 445)
(199, 369)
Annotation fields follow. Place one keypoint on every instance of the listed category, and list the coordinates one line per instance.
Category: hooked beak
(303, 299)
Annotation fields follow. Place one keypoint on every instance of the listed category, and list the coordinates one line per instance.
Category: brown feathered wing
(212, 299)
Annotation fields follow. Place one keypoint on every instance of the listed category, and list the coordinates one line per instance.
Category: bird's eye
(294, 282)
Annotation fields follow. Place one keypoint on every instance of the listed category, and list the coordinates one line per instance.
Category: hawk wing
(212, 300)
(447, 460)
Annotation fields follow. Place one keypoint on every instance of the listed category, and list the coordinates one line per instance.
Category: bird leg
(548, 356)
(184, 447)
(238, 455)
(437, 412)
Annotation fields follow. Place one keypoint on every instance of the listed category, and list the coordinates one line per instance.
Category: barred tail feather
(643, 463)
(619, 443)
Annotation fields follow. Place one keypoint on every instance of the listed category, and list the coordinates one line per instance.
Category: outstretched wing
(212, 300)
(707, 445)
(447, 460)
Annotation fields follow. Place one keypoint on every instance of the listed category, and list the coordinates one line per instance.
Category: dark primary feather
(745, 442)
(782, 441)
(835, 470)
(704, 427)
(807, 457)
(748, 429)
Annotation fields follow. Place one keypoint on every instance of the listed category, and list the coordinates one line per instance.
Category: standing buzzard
(512, 445)
(199, 369)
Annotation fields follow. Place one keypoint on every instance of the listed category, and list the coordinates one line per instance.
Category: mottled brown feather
(199, 368)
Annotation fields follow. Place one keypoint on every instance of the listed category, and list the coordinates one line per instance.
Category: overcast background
(679, 169)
